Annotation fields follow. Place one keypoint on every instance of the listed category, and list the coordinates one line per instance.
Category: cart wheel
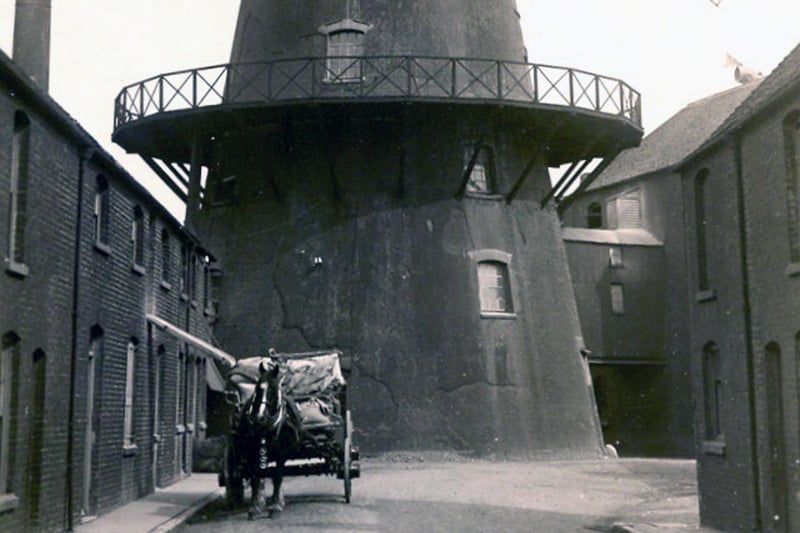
(234, 487)
(348, 443)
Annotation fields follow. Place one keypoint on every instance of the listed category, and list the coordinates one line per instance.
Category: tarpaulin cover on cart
(312, 383)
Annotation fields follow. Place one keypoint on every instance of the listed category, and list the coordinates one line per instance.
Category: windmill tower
(373, 176)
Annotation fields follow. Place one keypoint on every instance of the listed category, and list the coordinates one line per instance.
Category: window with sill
(130, 377)
(137, 237)
(494, 282)
(479, 164)
(617, 299)
(701, 229)
(102, 199)
(594, 216)
(712, 393)
(345, 47)
(8, 392)
(184, 287)
(18, 190)
(791, 140)
(166, 257)
(615, 257)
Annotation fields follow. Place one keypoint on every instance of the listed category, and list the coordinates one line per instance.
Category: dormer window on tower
(345, 49)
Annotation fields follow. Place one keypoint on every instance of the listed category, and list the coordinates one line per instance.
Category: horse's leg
(257, 500)
(277, 502)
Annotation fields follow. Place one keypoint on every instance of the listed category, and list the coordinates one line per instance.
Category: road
(415, 495)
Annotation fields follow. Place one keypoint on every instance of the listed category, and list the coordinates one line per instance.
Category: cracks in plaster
(450, 390)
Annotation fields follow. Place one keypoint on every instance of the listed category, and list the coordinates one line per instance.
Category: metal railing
(412, 78)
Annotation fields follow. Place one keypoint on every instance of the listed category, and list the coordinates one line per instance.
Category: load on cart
(289, 418)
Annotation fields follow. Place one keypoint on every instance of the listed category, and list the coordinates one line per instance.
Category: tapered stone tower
(373, 176)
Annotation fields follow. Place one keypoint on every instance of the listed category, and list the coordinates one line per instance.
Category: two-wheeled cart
(315, 392)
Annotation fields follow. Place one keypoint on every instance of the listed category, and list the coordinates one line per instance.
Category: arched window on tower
(345, 47)
(791, 140)
(594, 216)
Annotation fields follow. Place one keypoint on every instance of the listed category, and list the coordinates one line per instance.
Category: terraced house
(97, 405)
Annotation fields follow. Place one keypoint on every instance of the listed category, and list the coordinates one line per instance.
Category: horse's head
(268, 407)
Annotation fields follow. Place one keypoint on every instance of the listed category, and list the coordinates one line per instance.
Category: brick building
(741, 191)
(97, 406)
(626, 249)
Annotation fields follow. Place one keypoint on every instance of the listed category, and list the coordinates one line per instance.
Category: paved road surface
(548, 497)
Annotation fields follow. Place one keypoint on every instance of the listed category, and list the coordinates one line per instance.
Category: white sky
(671, 51)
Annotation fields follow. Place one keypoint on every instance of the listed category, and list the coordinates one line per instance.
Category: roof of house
(623, 237)
(676, 138)
(779, 82)
(42, 102)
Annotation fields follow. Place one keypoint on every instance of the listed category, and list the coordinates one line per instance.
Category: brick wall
(725, 468)
(775, 303)
(113, 297)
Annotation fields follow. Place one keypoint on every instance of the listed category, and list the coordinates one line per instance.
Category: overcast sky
(671, 51)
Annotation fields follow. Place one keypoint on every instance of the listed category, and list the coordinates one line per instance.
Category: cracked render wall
(350, 234)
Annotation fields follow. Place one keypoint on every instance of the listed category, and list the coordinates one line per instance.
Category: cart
(315, 389)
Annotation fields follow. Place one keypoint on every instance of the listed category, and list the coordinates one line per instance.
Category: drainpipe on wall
(85, 155)
(748, 334)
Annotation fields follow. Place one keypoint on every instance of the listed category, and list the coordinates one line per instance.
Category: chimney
(31, 50)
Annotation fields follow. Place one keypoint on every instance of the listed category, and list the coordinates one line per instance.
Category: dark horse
(272, 428)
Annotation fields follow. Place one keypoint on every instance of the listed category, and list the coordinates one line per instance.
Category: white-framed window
(7, 384)
(494, 286)
(345, 48)
(791, 139)
(617, 299)
(137, 237)
(615, 257)
(184, 272)
(102, 198)
(18, 193)
(166, 257)
(712, 393)
(130, 377)
(701, 229)
(494, 283)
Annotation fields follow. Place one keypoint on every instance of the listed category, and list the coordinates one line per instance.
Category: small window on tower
(481, 173)
(617, 299)
(494, 283)
(615, 257)
(345, 50)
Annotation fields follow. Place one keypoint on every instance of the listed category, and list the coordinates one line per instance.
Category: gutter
(84, 155)
(223, 357)
(748, 325)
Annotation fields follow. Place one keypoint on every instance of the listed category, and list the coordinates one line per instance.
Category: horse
(274, 427)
